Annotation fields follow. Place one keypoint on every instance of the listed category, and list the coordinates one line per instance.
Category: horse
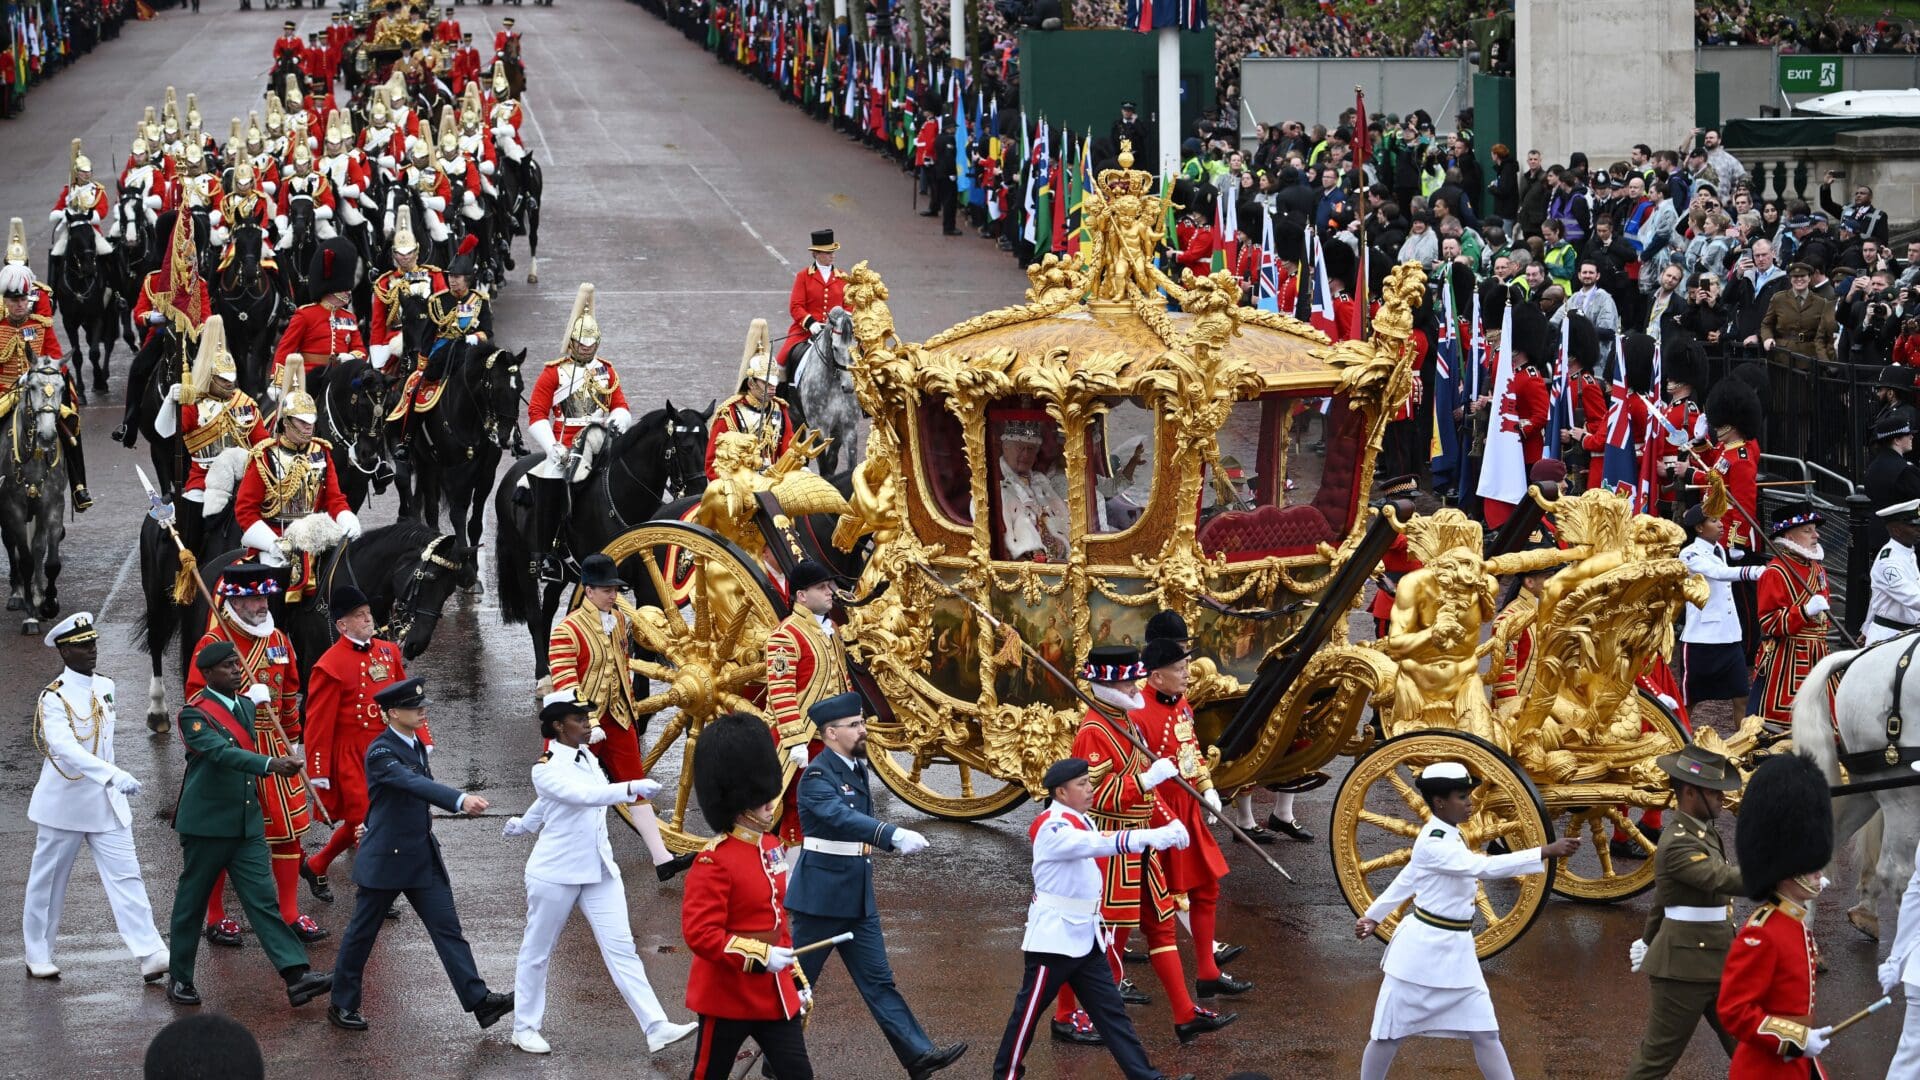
(455, 447)
(820, 389)
(1864, 719)
(33, 493)
(84, 294)
(353, 418)
(301, 240)
(407, 570)
(172, 365)
(661, 458)
(250, 301)
(132, 250)
(519, 206)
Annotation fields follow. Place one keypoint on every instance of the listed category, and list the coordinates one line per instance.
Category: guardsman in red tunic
(1783, 838)
(324, 331)
(806, 664)
(272, 683)
(288, 44)
(744, 983)
(1397, 562)
(466, 64)
(589, 654)
(817, 290)
(288, 506)
(82, 199)
(572, 393)
(1685, 424)
(754, 410)
(339, 36)
(346, 171)
(342, 722)
(1734, 415)
(1793, 608)
(1587, 398)
(25, 335)
(309, 185)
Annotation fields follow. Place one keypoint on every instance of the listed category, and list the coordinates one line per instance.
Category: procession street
(685, 192)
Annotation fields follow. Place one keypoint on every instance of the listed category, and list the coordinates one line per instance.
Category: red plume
(467, 245)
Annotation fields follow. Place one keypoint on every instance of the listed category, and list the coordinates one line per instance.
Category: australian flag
(1145, 15)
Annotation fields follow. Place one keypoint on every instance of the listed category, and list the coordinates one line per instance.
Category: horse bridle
(351, 436)
(23, 409)
(1893, 755)
(400, 626)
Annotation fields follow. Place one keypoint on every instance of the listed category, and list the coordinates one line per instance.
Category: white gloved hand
(1889, 975)
(1636, 954)
(420, 289)
(473, 339)
(1161, 769)
(908, 842)
(557, 453)
(154, 318)
(806, 998)
(1212, 799)
(1816, 605)
(173, 392)
(599, 735)
(642, 790)
(273, 557)
(342, 358)
(349, 523)
(124, 782)
(779, 959)
(1817, 1041)
(1171, 835)
(513, 828)
(320, 783)
(259, 694)
(799, 756)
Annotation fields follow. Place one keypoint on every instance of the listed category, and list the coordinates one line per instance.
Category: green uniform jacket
(220, 793)
(1690, 870)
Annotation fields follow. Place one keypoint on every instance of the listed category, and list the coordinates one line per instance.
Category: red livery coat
(343, 719)
(1767, 990)
(812, 297)
(1167, 726)
(731, 911)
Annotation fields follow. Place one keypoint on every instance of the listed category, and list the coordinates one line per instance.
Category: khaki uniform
(1802, 325)
(1684, 957)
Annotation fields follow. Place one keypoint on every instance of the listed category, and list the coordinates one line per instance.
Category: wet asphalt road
(686, 193)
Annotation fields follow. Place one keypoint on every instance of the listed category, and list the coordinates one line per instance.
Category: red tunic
(1196, 249)
(270, 662)
(238, 411)
(1767, 990)
(319, 334)
(1167, 727)
(728, 418)
(386, 313)
(1526, 407)
(289, 45)
(1791, 642)
(812, 297)
(1114, 767)
(1739, 463)
(1397, 562)
(343, 719)
(250, 500)
(731, 910)
(549, 393)
(1639, 412)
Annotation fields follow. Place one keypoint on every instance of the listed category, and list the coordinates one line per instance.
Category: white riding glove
(420, 289)
(557, 453)
(908, 842)
(1636, 954)
(154, 318)
(642, 790)
(799, 756)
(599, 735)
(259, 694)
(1817, 1041)
(1889, 975)
(1212, 799)
(349, 523)
(1816, 605)
(124, 782)
(779, 959)
(1161, 769)
(473, 339)
(173, 392)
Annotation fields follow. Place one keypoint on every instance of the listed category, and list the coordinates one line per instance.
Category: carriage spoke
(1392, 859)
(966, 782)
(1414, 800)
(1397, 826)
(661, 702)
(666, 740)
(1484, 905)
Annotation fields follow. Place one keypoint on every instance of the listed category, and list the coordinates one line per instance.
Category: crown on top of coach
(1125, 180)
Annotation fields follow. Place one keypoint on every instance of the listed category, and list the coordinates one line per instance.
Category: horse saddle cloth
(419, 395)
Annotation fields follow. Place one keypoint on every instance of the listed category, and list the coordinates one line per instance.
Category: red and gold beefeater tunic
(270, 662)
(1792, 641)
(805, 665)
(1114, 766)
(588, 654)
(1766, 994)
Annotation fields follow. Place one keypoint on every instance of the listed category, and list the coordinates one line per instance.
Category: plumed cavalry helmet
(78, 163)
(756, 359)
(193, 112)
(403, 241)
(276, 114)
(170, 113)
(582, 328)
(254, 135)
(242, 174)
(449, 135)
(500, 83)
(16, 243)
(213, 361)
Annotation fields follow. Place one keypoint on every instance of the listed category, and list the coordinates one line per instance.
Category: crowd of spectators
(44, 37)
(1742, 22)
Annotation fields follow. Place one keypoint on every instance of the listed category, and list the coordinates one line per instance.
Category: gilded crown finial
(1126, 153)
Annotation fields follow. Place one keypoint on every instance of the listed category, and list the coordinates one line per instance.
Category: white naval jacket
(1441, 879)
(571, 818)
(1714, 622)
(1896, 592)
(1064, 916)
(86, 803)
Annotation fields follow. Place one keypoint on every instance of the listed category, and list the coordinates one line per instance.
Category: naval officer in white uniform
(81, 799)
(1893, 608)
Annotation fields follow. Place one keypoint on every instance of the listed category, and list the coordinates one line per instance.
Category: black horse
(454, 448)
(302, 240)
(353, 419)
(519, 202)
(660, 458)
(132, 251)
(406, 569)
(83, 291)
(252, 304)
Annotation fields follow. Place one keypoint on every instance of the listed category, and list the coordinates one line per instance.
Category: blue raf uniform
(400, 856)
(830, 891)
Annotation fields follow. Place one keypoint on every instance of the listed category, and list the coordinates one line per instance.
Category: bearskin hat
(1533, 337)
(1733, 404)
(1342, 262)
(1684, 366)
(1583, 341)
(1785, 826)
(332, 268)
(735, 768)
(1756, 378)
(1636, 350)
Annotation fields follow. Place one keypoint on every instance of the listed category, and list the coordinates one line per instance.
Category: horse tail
(513, 583)
(1813, 730)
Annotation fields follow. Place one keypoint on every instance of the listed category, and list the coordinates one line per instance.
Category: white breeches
(101, 245)
(470, 207)
(119, 868)
(605, 905)
(378, 355)
(436, 228)
(351, 214)
(510, 147)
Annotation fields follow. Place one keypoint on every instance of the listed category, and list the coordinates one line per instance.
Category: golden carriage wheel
(1594, 874)
(702, 669)
(1378, 814)
(930, 779)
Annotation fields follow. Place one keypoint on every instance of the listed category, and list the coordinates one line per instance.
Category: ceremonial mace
(1132, 736)
(162, 513)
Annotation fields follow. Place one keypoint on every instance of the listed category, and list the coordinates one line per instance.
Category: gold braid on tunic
(73, 725)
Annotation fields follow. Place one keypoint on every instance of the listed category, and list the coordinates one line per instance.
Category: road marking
(119, 581)
(728, 203)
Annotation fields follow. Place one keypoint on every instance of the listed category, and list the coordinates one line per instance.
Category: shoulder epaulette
(544, 758)
(1442, 833)
(713, 843)
(1761, 914)
(52, 687)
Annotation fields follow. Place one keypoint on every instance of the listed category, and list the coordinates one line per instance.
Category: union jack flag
(1146, 15)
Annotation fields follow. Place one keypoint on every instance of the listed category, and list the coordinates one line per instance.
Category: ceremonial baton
(1843, 1025)
(1133, 737)
(161, 511)
(758, 1051)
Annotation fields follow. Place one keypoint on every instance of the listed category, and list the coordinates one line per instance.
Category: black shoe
(393, 910)
(673, 867)
(1258, 835)
(492, 1008)
(307, 930)
(1651, 832)
(225, 932)
(351, 1020)
(953, 232)
(929, 213)
(1225, 984)
(120, 436)
(1226, 954)
(182, 993)
(1066, 1032)
(1132, 994)
(1133, 956)
(310, 986)
(1292, 830)
(1204, 1020)
(317, 883)
(934, 1060)
(1625, 849)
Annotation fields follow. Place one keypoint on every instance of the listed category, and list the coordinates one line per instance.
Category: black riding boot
(549, 514)
(139, 374)
(77, 472)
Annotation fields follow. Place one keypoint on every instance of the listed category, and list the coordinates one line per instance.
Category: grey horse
(33, 493)
(822, 387)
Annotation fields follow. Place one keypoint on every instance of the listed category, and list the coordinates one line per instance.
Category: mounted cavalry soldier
(82, 195)
(806, 664)
(25, 335)
(305, 182)
(213, 416)
(324, 331)
(817, 289)
(458, 315)
(573, 392)
(424, 175)
(147, 177)
(505, 115)
(1793, 609)
(244, 204)
(289, 501)
(346, 170)
(754, 410)
(409, 276)
(17, 255)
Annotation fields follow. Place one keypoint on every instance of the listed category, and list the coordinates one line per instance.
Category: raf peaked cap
(406, 694)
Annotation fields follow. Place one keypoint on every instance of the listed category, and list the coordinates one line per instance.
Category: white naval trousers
(605, 905)
(1906, 1057)
(113, 856)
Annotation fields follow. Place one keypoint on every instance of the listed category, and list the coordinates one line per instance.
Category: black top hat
(332, 268)
(346, 599)
(597, 571)
(1064, 771)
(822, 240)
(1112, 664)
(838, 707)
(248, 579)
(1792, 516)
(1785, 827)
(1162, 652)
(1700, 767)
(1168, 624)
(806, 574)
(405, 694)
(736, 769)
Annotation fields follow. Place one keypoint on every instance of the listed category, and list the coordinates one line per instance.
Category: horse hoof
(29, 627)
(159, 724)
(14, 604)
(533, 279)
(1865, 921)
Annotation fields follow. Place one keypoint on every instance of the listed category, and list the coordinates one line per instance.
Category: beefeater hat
(735, 769)
(756, 358)
(17, 243)
(1785, 827)
(581, 325)
(213, 361)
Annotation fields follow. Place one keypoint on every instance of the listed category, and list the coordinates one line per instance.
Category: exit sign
(1809, 74)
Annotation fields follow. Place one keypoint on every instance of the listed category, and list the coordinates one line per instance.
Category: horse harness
(1893, 755)
(399, 625)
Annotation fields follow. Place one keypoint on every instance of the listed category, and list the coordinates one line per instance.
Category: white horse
(1888, 821)
(822, 369)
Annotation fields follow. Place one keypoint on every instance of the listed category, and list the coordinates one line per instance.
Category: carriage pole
(1131, 735)
(162, 513)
